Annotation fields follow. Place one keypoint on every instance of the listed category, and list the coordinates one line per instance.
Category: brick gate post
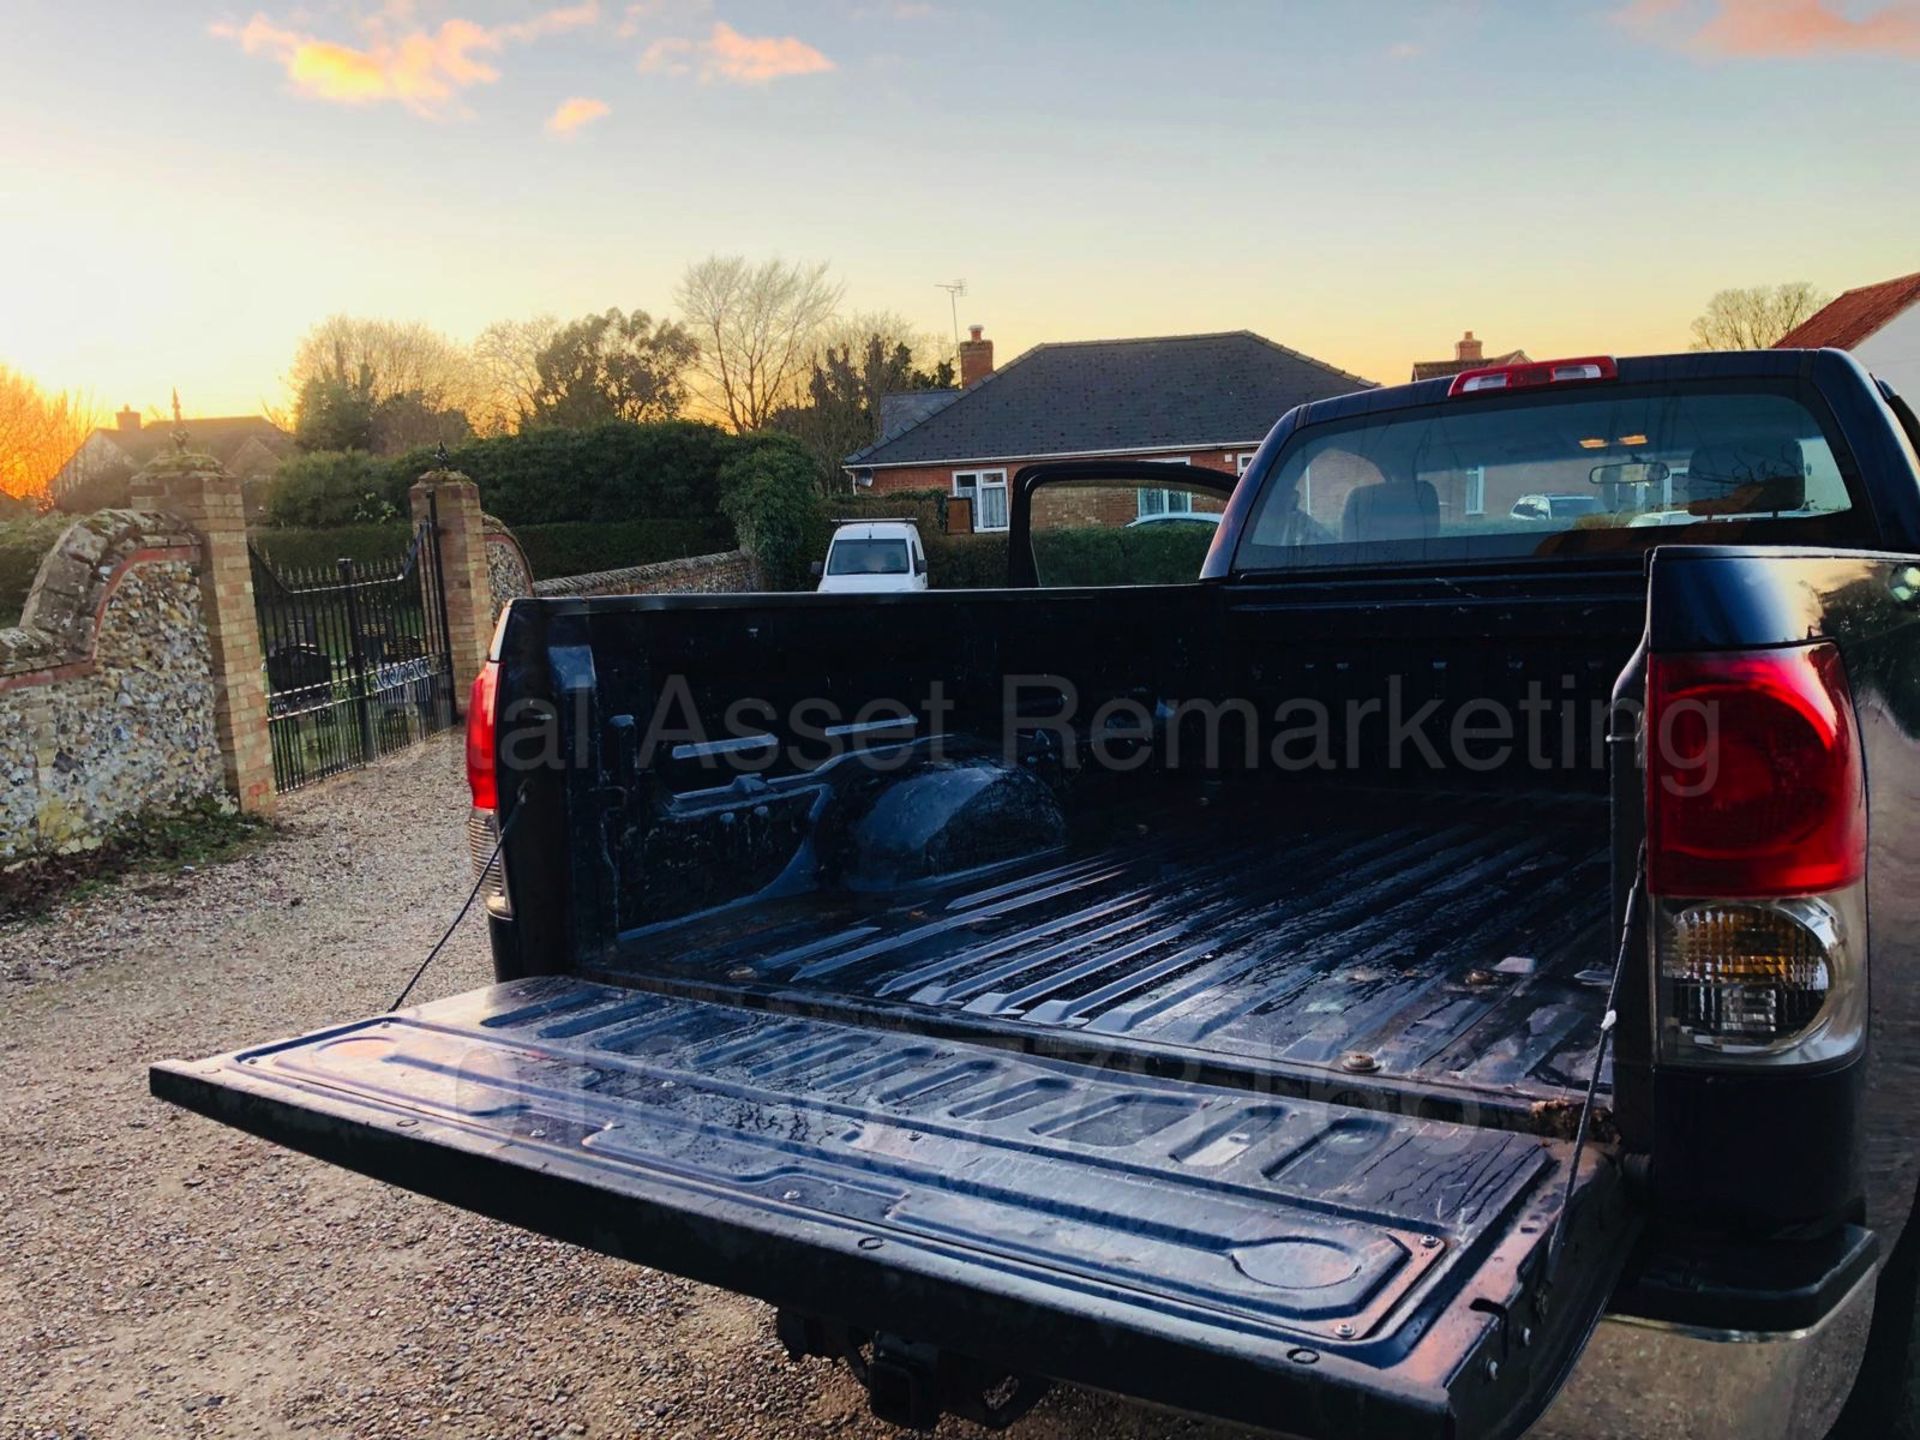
(198, 490)
(462, 541)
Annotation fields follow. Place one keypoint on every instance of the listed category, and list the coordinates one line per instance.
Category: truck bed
(1456, 947)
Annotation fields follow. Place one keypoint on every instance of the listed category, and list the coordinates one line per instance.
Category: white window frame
(1167, 503)
(1474, 499)
(978, 480)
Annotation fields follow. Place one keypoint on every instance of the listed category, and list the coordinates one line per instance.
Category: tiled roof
(1118, 396)
(220, 436)
(901, 410)
(1853, 317)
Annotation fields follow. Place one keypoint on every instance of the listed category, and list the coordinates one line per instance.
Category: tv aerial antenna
(955, 289)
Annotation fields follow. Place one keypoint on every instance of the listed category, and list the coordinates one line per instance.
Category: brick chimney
(976, 357)
(1468, 348)
(128, 420)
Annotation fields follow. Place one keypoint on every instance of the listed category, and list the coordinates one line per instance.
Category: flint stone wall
(106, 686)
(509, 576)
(729, 571)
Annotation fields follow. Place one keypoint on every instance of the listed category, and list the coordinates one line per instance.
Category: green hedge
(927, 508)
(23, 545)
(580, 548)
(574, 548)
(610, 472)
(1080, 555)
(966, 562)
(309, 550)
(329, 488)
(1165, 554)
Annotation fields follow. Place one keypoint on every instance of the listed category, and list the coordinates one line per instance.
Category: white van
(874, 557)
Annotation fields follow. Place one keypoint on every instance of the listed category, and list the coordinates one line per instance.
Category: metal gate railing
(357, 660)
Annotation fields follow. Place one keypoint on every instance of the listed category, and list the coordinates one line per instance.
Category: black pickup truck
(1449, 971)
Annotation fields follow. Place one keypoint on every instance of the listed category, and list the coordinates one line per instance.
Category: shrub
(1080, 555)
(311, 550)
(1128, 555)
(329, 488)
(966, 562)
(926, 508)
(770, 493)
(23, 545)
(620, 471)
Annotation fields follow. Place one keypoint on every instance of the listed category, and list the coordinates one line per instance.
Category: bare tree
(854, 329)
(757, 328)
(1756, 317)
(396, 357)
(39, 433)
(507, 355)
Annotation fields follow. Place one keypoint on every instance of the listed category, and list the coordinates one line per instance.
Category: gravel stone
(161, 1275)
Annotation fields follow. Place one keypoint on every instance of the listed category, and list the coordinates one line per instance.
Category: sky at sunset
(186, 187)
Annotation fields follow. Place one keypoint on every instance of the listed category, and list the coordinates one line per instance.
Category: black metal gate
(357, 659)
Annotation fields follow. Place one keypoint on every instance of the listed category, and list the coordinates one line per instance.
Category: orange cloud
(422, 69)
(553, 22)
(575, 114)
(738, 59)
(1755, 29)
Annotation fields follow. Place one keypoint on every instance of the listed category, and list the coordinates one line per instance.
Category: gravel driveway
(161, 1275)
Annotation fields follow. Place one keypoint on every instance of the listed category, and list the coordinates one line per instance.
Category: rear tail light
(1756, 853)
(1750, 976)
(483, 822)
(483, 840)
(1501, 378)
(481, 738)
(1753, 774)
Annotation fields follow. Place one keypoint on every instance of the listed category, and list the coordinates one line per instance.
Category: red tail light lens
(1754, 785)
(480, 738)
(1532, 374)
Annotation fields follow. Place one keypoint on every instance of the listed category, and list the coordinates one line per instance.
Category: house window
(987, 489)
(1241, 461)
(1476, 491)
(1165, 502)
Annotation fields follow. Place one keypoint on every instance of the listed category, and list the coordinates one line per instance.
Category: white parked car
(1555, 507)
(874, 557)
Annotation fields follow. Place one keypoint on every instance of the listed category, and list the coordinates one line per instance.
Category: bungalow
(1207, 400)
(1879, 324)
(249, 446)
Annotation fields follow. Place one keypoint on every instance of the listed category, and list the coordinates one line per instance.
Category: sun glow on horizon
(462, 162)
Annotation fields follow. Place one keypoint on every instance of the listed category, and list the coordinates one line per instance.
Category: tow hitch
(910, 1384)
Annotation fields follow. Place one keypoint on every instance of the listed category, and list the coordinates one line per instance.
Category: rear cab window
(1596, 469)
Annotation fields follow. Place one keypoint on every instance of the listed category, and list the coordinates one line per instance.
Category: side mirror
(1637, 472)
(919, 564)
(817, 569)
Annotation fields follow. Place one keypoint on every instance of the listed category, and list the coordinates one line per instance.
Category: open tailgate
(1305, 1266)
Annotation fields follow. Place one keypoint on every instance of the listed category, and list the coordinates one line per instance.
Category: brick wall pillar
(197, 490)
(462, 542)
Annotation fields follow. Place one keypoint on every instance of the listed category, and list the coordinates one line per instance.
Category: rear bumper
(1645, 1378)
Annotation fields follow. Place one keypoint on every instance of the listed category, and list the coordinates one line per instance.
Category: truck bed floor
(1454, 944)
